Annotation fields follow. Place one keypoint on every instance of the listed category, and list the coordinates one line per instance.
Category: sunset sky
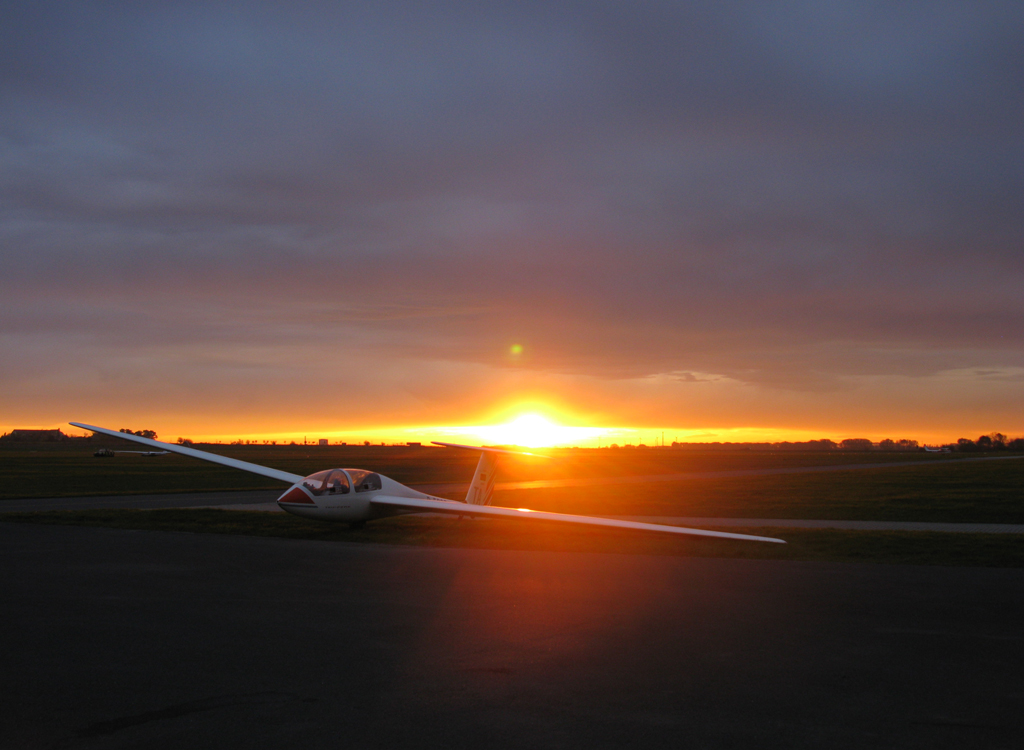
(727, 221)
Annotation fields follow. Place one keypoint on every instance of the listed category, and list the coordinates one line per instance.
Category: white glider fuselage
(339, 499)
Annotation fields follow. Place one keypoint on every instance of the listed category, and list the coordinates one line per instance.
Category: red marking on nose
(296, 495)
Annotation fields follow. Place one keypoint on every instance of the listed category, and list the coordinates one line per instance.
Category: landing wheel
(356, 525)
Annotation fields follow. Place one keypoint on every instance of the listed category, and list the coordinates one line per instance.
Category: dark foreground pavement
(142, 502)
(117, 639)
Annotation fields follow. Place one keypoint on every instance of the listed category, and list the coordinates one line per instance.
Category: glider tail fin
(482, 486)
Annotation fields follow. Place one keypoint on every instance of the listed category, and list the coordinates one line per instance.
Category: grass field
(940, 489)
(921, 548)
(70, 469)
(957, 492)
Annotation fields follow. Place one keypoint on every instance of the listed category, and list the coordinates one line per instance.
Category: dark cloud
(787, 194)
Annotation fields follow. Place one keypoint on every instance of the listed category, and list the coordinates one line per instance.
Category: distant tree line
(849, 444)
(995, 441)
(141, 433)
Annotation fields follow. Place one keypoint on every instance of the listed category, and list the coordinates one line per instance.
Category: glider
(356, 496)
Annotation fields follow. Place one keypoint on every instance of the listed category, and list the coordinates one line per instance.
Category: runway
(143, 502)
(119, 639)
(264, 500)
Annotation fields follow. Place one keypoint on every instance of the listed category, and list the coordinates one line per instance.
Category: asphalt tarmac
(143, 502)
(118, 639)
(265, 500)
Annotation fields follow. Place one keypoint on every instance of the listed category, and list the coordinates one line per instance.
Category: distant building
(322, 441)
(414, 445)
(35, 436)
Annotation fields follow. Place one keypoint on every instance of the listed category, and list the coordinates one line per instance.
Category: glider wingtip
(485, 448)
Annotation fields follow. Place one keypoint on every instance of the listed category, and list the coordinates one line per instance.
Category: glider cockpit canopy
(341, 481)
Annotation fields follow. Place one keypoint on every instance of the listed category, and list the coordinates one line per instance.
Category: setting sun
(535, 431)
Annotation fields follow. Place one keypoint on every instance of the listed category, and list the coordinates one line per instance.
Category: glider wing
(454, 507)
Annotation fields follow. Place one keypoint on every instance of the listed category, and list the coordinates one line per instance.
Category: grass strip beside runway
(892, 547)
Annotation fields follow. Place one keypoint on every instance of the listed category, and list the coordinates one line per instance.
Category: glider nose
(295, 496)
